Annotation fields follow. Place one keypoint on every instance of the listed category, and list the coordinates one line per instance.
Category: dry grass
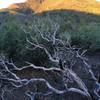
(78, 5)
(89, 6)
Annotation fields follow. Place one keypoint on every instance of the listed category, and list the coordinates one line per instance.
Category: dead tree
(15, 79)
(63, 53)
(23, 78)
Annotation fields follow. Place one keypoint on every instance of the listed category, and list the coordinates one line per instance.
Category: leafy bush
(12, 40)
(83, 28)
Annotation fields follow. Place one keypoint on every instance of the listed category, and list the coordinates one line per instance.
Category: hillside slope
(90, 6)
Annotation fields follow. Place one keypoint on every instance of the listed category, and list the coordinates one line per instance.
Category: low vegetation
(57, 41)
(82, 27)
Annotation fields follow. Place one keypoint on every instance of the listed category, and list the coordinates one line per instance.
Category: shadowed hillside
(83, 27)
(83, 30)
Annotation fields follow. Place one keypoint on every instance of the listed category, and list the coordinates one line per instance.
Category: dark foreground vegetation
(49, 56)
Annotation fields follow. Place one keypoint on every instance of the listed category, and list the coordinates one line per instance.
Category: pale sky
(6, 3)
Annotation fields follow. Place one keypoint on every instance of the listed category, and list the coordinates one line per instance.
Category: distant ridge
(89, 6)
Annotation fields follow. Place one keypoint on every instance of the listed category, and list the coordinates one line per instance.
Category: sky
(6, 3)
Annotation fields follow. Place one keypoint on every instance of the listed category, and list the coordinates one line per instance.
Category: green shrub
(83, 28)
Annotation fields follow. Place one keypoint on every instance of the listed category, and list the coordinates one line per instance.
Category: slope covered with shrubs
(82, 27)
(49, 39)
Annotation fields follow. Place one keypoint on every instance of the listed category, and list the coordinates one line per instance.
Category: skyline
(7, 3)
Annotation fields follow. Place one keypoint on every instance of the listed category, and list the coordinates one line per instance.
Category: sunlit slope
(89, 6)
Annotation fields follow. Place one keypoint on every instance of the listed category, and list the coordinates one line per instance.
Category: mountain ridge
(89, 6)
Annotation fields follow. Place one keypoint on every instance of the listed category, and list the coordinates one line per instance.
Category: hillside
(89, 6)
(50, 50)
